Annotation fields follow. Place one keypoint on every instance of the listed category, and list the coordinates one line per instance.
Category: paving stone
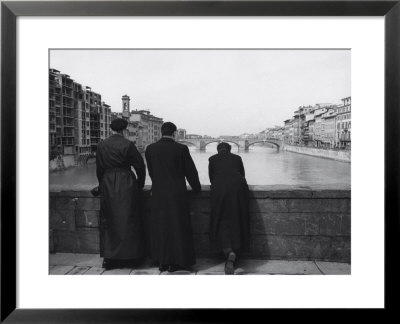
(209, 265)
(239, 271)
(90, 264)
(334, 268)
(257, 274)
(124, 271)
(94, 271)
(60, 270)
(92, 260)
(176, 273)
(150, 271)
(280, 267)
(78, 270)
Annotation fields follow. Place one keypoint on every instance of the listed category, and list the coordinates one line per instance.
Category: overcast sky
(212, 92)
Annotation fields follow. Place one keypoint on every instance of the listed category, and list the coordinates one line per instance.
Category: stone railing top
(265, 191)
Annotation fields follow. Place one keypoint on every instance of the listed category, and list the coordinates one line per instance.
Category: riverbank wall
(338, 155)
(285, 223)
(62, 162)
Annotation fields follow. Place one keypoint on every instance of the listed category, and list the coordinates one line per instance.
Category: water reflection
(264, 165)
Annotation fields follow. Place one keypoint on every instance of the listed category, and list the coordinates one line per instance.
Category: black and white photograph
(199, 161)
(192, 160)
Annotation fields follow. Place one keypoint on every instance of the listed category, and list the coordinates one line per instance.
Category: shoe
(163, 267)
(174, 268)
(230, 264)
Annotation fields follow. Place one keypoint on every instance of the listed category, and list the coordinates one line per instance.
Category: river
(263, 166)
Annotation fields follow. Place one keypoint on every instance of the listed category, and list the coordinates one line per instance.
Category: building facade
(323, 125)
(328, 128)
(78, 119)
(143, 128)
(343, 124)
(147, 126)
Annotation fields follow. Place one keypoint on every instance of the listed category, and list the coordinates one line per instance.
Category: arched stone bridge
(242, 144)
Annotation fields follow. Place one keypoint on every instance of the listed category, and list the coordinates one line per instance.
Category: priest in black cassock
(171, 236)
(119, 206)
(229, 226)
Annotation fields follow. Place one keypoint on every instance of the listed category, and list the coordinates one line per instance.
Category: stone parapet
(292, 223)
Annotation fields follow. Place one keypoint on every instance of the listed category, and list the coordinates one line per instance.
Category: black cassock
(120, 204)
(229, 226)
(171, 235)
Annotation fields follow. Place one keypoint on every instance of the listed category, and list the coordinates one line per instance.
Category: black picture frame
(10, 10)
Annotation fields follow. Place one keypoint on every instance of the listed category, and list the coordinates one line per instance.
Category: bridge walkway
(91, 264)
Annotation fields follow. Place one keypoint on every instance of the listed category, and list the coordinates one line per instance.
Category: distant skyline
(212, 92)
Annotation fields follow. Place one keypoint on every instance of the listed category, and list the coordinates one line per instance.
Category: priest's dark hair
(223, 147)
(118, 125)
(168, 129)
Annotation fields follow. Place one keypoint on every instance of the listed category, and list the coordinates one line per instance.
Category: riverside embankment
(338, 155)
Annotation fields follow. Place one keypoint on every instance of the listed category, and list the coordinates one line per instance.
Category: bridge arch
(265, 141)
(84, 158)
(219, 141)
(186, 142)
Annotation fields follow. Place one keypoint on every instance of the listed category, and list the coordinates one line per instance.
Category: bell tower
(125, 106)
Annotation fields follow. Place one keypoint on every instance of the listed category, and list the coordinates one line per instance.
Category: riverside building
(324, 125)
(78, 120)
(343, 124)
